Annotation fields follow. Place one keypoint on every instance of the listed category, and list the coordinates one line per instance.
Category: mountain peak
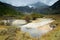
(38, 5)
(56, 5)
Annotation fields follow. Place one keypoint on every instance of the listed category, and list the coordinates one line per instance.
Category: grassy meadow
(14, 33)
(54, 34)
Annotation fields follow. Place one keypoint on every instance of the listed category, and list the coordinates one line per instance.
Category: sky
(26, 2)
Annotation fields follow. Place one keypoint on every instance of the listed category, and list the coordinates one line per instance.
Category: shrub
(3, 32)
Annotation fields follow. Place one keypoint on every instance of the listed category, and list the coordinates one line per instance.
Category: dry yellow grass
(54, 34)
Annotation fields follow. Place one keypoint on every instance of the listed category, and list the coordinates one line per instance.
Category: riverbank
(54, 34)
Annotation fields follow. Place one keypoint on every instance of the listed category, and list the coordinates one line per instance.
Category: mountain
(56, 7)
(38, 5)
(24, 9)
(12, 10)
(7, 9)
(41, 8)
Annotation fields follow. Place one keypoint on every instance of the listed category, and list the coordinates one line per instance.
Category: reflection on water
(34, 32)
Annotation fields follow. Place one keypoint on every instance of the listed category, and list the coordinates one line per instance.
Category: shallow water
(32, 28)
(34, 32)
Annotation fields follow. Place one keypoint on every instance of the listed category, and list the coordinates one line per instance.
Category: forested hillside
(6, 9)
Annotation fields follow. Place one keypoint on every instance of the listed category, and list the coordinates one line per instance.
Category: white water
(39, 23)
(18, 22)
(32, 27)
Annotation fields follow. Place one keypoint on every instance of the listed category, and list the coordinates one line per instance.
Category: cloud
(49, 2)
(26, 2)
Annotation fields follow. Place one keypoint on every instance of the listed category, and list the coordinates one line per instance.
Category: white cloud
(26, 2)
(49, 2)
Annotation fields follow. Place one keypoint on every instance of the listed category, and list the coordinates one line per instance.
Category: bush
(36, 15)
(1, 23)
(10, 38)
(3, 32)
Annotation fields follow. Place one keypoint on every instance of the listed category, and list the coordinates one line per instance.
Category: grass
(14, 34)
(3, 37)
(54, 34)
(19, 35)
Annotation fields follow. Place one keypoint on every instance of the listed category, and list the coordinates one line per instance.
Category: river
(32, 28)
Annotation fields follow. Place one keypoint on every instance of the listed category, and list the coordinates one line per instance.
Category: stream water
(34, 32)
